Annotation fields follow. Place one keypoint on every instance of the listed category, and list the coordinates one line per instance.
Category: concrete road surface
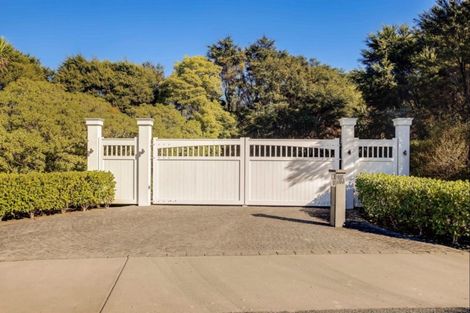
(235, 284)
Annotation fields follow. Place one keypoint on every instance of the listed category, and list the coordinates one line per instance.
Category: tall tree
(258, 86)
(385, 80)
(423, 72)
(123, 84)
(301, 99)
(445, 32)
(3, 49)
(194, 88)
(281, 95)
(230, 57)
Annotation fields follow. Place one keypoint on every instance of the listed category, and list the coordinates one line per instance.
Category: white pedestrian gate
(241, 171)
(119, 158)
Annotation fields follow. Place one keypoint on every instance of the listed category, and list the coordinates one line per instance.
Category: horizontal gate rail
(285, 149)
(197, 149)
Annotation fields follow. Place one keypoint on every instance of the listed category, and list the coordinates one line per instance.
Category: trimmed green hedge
(422, 206)
(32, 193)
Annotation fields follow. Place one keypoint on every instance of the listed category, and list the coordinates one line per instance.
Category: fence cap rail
(348, 121)
(94, 121)
(402, 121)
(144, 121)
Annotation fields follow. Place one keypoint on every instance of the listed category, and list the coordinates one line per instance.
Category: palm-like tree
(3, 58)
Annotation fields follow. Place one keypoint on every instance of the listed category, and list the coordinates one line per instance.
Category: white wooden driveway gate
(241, 171)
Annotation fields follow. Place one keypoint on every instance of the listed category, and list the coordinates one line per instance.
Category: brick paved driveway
(191, 230)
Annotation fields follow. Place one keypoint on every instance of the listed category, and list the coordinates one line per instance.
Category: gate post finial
(348, 156)
(94, 148)
(144, 159)
(402, 134)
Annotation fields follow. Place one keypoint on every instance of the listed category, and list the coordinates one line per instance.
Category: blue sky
(333, 31)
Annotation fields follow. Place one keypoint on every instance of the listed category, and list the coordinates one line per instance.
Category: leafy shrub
(22, 194)
(423, 206)
(42, 127)
(445, 155)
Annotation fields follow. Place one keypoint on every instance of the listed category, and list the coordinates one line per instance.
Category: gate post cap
(144, 121)
(94, 121)
(402, 121)
(347, 121)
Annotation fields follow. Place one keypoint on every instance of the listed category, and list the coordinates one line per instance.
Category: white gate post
(402, 134)
(348, 157)
(94, 148)
(144, 159)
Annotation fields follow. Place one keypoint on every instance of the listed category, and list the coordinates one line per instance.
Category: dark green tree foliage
(445, 60)
(230, 57)
(385, 81)
(280, 95)
(15, 64)
(123, 84)
(422, 72)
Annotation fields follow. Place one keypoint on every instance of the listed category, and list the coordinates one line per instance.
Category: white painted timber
(402, 133)
(198, 171)
(348, 157)
(289, 172)
(94, 135)
(119, 158)
(376, 156)
(241, 171)
(144, 161)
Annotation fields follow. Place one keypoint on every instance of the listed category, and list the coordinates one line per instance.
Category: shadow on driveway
(289, 219)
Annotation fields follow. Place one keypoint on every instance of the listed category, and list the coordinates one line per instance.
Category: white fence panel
(241, 171)
(290, 172)
(119, 157)
(377, 155)
(198, 171)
